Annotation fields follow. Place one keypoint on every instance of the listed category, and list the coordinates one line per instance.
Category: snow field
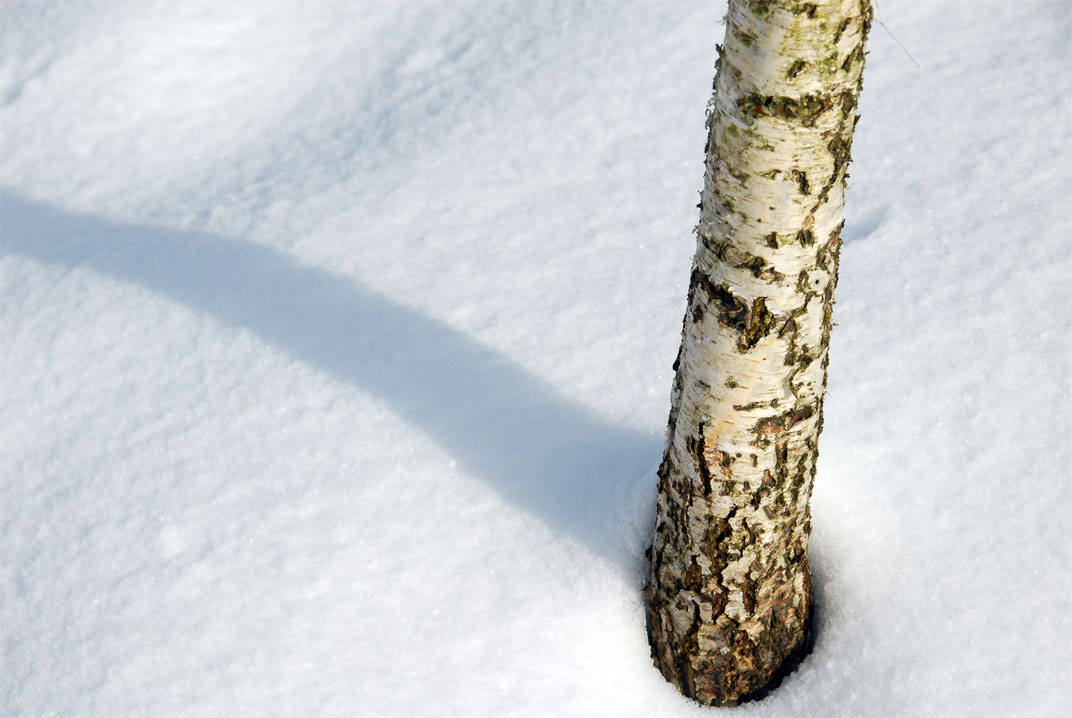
(336, 345)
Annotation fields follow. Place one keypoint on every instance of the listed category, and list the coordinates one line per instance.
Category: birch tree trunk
(729, 599)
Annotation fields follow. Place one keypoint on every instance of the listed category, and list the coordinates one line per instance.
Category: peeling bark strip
(729, 599)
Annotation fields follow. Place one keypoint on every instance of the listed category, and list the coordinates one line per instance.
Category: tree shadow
(541, 451)
(860, 229)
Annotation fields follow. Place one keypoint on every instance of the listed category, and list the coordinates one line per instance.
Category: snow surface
(337, 342)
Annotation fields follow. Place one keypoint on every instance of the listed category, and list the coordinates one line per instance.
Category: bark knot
(752, 321)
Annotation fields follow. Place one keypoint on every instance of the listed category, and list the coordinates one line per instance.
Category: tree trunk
(729, 600)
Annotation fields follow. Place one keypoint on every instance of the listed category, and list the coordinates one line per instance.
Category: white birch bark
(730, 590)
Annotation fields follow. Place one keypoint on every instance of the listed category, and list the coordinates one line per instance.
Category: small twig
(879, 21)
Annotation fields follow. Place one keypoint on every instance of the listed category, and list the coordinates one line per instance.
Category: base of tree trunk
(799, 652)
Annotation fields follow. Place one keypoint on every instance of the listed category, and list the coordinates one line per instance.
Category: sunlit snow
(336, 348)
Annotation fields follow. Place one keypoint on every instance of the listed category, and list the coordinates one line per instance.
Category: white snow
(336, 345)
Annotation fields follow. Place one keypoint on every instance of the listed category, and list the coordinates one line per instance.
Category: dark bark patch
(828, 254)
(754, 265)
(696, 446)
(752, 323)
(793, 658)
(806, 108)
(840, 148)
(802, 182)
(758, 324)
(841, 28)
(692, 577)
(857, 55)
(689, 648)
(748, 597)
(772, 425)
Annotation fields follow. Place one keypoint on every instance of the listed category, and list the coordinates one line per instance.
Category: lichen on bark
(729, 597)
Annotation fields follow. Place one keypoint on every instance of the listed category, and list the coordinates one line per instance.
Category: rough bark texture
(730, 590)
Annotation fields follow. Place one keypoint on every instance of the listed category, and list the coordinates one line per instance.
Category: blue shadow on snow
(541, 451)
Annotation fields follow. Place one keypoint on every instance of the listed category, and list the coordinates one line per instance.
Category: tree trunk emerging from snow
(730, 591)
